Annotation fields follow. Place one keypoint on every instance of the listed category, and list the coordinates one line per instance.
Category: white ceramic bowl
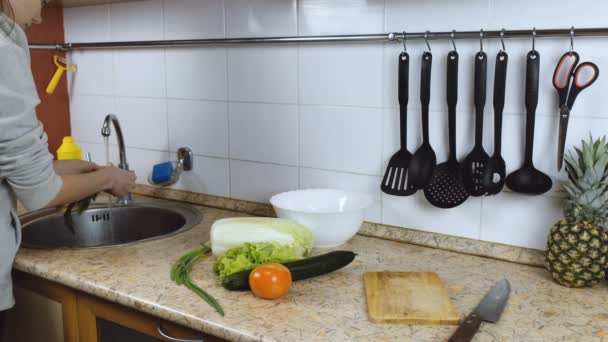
(333, 216)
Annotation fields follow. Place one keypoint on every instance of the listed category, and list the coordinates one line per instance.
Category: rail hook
(502, 40)
(426, 40)
(571, 40)
(452, 38)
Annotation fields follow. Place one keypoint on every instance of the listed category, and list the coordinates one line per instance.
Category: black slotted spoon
(395, 177)
(495, 173)
(474, 164)
(446, 190)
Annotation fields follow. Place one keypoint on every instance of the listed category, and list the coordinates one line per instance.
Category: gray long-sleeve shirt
(26, 166)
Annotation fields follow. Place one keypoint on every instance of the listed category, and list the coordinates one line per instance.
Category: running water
(106, 143)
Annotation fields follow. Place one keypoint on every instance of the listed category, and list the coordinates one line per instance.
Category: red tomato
(270, 281)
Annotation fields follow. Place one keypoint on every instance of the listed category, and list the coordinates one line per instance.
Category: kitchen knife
(489, 310)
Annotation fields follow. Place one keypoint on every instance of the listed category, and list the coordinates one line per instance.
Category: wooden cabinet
(86, 318)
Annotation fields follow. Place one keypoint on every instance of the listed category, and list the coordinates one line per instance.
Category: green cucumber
(301, 269)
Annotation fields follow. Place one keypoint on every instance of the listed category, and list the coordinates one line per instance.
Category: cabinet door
(45, 311)
(101, 321)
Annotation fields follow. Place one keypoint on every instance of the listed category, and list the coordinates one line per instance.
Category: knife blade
(489, 310)
(564, 115)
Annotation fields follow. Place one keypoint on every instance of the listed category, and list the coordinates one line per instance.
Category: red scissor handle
(584, 76)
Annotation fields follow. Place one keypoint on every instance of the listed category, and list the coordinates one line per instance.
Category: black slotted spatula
(395, 178)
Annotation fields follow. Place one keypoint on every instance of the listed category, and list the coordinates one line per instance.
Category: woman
(27, 170)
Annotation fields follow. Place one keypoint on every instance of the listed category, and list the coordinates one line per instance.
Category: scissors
(569, 80)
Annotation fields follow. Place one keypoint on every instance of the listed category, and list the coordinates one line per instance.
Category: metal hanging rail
(380, 37)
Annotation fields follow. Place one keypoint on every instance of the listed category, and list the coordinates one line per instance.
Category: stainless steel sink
(107, 225)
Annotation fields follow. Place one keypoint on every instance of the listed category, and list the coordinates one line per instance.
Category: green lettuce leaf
(251, 255)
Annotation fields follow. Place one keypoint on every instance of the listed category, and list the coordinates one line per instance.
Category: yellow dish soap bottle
(69, 150)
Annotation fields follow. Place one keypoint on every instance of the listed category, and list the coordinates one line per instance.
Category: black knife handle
(467, 329)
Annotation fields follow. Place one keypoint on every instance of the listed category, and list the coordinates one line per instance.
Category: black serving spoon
(424, 160)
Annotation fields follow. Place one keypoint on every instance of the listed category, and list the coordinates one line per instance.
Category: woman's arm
(78, 186)
(73, 167)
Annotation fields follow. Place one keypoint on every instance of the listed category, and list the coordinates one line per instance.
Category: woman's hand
(120, 181)
(73, 167)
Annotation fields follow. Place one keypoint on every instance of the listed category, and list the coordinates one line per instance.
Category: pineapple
(577, 247)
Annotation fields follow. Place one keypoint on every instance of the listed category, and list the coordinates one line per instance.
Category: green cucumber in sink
(301, 269)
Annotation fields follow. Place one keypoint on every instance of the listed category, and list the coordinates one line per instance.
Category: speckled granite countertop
(328, 308)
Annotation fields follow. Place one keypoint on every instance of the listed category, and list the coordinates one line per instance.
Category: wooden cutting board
(408, 298)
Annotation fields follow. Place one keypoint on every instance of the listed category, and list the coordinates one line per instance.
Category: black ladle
(495, 173)
(424, 160)
(528, 179)
(475, 162)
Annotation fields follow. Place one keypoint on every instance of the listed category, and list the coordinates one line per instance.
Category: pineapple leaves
(587, 189)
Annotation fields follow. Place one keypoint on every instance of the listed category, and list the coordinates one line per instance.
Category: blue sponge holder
(166, 170)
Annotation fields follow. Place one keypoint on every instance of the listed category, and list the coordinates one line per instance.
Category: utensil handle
(425, 92)
(452, 99)
(404, 70)
(500, 80)
(532, 71)
(481, 68)
(467, 329)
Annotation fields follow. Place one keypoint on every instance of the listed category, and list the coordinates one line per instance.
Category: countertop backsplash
(263, 119)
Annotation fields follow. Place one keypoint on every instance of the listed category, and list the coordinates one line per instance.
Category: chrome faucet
(106, 131)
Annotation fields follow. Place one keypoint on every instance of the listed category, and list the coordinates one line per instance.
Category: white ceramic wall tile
(96, 20)
(143, 122)
(139, 73)
(94, 73)
(258, 182)
(200, 125)
(208, 175)
(519, 220)
(263, 74)
(141, 162)
(521, 14)
(341, 138)
(197, 73)
(97, 152)
(416, 213)
(261, 18)
(438, 134)
(264, 132)
(192, 19)
(87, 115)
(138, 20)
(312, 178)
(341, 75)
(436, 15)
(466, 72)
(318, 17)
